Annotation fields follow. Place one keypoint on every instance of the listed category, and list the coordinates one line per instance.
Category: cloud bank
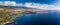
(31, 5)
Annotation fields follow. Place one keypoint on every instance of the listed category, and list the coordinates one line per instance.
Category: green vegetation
(7, 16)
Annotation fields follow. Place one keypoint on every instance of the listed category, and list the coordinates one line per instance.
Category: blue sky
(39, 4)
(35, 1)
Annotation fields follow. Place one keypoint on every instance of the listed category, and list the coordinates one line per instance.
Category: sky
(35, 1)
(38, 1)
(39, 4)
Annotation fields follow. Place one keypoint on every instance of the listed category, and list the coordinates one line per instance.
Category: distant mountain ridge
(12, 7)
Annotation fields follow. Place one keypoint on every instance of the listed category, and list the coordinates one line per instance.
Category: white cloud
(32, 5)
(40, 6)
(13, 3)
(10, 3)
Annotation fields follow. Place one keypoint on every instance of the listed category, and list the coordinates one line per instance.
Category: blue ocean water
(50, 18)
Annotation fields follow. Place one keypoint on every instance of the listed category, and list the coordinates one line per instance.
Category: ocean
(50, 18)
